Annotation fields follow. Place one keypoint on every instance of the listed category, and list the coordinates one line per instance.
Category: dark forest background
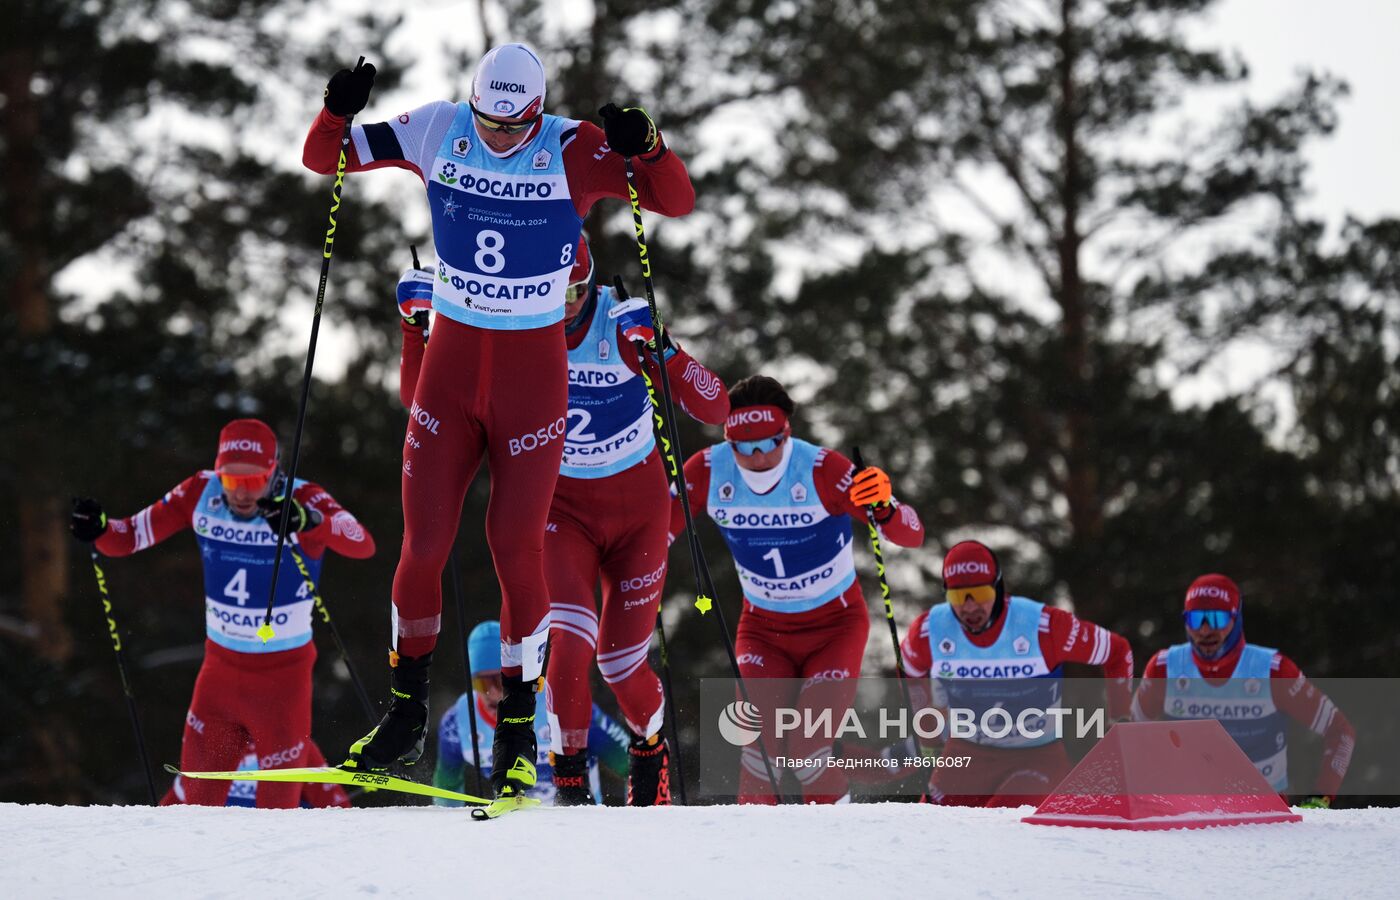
(983, 240)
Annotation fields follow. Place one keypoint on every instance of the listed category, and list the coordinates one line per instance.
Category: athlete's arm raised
(122, 537)
(595, 171)
(339, 530)
(407, 141)
(699, 391)
(410, 141)
(898, 522)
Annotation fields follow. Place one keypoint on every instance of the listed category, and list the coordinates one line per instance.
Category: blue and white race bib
(1244, 706)
(505, 230)
(1011, 674)
(791, 554)
(609, 412)
(238, 555)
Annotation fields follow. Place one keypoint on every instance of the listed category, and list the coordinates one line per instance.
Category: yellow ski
(372, 781)
(498, 808)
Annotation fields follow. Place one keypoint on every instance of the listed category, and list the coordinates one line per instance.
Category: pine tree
(981, 236)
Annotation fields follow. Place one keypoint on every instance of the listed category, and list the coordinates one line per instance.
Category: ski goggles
(766, 445)
(576, 291)
(255, 482)
(1208, 618)
(982, 593)
(491, 124)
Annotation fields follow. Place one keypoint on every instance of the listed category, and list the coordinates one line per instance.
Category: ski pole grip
(620, 288)
(413, 248)
(856, 458)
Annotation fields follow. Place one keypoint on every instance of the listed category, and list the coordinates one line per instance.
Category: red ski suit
(241, 698)
(822, 646)
(1000, 776)
(1298, 698)
(612, 529)
(490, 394)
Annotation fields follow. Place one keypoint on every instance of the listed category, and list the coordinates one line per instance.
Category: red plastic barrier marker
(1146, 776)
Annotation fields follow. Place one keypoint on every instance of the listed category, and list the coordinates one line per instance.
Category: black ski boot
(571, 779)
(649, 772)
(399, 736)
(513, 750)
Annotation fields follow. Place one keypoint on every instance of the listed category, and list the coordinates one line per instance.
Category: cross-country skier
(607, 740)
(784, 507)
(1217, 669)
(247, 690)
(508, 187)
(608, 519)
(984, 648)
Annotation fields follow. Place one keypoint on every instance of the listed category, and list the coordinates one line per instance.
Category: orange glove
(871, 487)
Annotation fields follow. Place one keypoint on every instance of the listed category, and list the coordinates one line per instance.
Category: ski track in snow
(808, 852)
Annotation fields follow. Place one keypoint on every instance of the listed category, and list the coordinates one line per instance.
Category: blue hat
(484, 647)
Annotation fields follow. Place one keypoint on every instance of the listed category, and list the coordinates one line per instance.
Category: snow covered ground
(713, 852)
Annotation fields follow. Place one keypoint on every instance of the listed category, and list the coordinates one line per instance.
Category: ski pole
(121, 669)
(884, 585)
(671, 449)
(659, 429)
(325, 613)
(466, 647)
(265, 630)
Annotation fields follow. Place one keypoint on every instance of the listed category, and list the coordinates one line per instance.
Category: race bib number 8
(489, 257)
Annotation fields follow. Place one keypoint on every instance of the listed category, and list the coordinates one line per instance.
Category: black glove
(630, 132)
(303, 518)
(88, 522)
(348, 90)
